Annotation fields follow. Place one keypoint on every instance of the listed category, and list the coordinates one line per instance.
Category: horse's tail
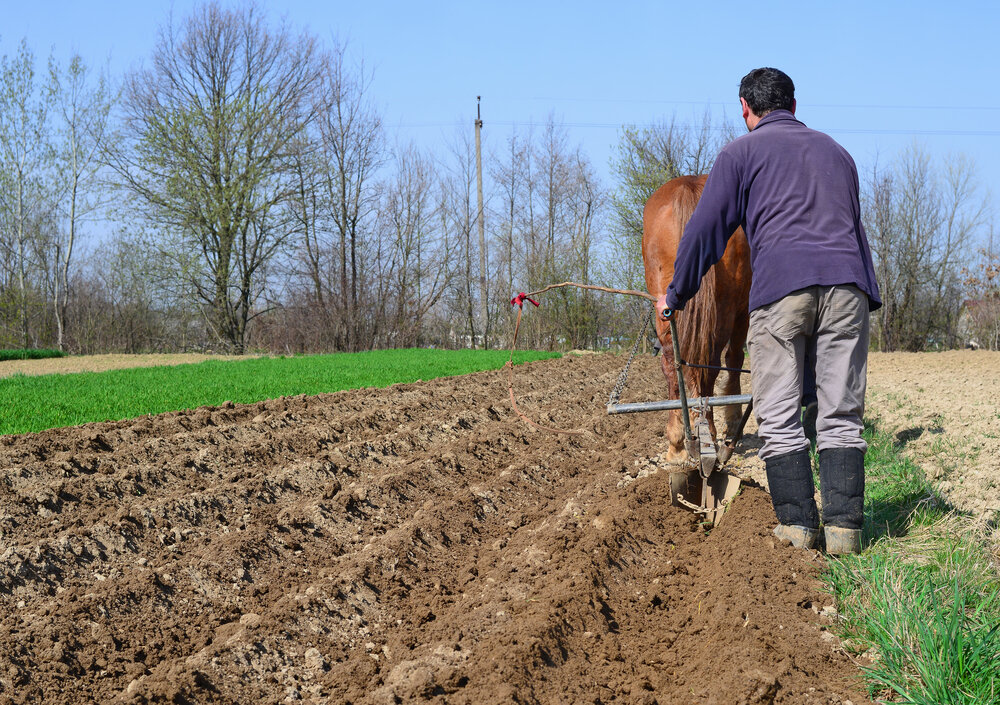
(698, 330)
(697, 324)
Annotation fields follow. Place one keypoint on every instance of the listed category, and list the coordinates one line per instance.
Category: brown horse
(716, 319)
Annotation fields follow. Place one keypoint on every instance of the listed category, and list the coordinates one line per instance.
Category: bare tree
(573, 213)
(921, 221)
(964, 214)
(83, 107)
(307, 208)
(554, 169)
(458, 213)
(587, 202)
(508, 173)
(549, 218)
(25, 173)
(647, 158)
(210, 146)
(352, 150)
(118, 304)
(420, 261)
(879, 215)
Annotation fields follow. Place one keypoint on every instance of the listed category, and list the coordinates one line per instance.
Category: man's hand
(662, 311)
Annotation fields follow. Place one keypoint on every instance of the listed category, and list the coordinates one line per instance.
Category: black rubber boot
(842, 486)
(839, 540)
(790, 479)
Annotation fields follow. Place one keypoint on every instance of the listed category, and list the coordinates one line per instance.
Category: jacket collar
(777, 116)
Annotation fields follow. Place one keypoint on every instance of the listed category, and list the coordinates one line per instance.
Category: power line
(949, 133)
(858, 106)
(722, 128)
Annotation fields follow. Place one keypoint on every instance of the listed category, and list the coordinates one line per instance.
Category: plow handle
(685, 414)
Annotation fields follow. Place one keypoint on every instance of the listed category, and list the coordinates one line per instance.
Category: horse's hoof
(677, 457)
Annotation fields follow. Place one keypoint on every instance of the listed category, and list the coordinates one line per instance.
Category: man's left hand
(661, 308)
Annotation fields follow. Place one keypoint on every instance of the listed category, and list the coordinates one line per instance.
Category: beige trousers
(831, 322)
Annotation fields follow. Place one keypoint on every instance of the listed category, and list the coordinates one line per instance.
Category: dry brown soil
(100, 363)
(412, 544)
(944, 410)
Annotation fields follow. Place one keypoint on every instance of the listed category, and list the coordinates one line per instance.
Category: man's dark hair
(767, 89)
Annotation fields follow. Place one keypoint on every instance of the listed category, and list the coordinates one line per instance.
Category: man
(795, 192)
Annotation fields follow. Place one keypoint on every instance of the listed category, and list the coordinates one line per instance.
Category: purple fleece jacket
(795, 192)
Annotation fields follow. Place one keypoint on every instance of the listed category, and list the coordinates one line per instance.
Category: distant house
(979, 323)
(966, 324)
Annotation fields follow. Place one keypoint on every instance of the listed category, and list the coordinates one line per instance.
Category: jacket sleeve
(715, 219)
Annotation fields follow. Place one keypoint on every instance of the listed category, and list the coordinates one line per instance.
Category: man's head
(763, 90)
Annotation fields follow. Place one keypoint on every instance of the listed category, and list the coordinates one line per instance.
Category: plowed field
(944, 412)
(418, 543)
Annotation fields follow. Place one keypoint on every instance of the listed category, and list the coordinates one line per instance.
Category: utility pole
(482, 231)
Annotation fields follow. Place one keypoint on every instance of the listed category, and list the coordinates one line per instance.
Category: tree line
(249, 197)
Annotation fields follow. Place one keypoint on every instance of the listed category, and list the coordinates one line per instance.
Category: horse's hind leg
(734, 359)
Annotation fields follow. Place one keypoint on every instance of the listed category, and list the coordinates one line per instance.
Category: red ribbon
(520, 299)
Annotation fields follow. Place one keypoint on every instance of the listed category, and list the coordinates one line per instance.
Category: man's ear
(793, 106)
(746, 108)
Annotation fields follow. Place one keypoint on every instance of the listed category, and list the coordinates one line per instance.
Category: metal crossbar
(671, 404)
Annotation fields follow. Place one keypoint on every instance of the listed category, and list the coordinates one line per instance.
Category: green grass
(29, 354)
(897, 493)
(49, 401)
(924, 600)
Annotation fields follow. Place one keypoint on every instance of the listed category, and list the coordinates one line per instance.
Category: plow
(702, 485)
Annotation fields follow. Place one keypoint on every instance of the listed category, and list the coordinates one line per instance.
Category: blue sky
(875, 75)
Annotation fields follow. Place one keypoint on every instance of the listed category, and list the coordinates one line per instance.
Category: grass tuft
(897, 493)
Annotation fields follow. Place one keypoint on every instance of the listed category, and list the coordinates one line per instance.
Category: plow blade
(708, 496)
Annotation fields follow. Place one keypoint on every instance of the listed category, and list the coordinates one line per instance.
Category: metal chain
(623, 377)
